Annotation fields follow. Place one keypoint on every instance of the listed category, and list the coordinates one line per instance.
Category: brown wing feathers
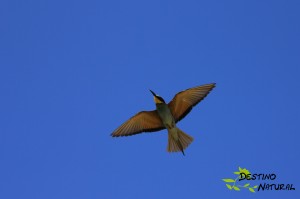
(145, 121)
(183, 102)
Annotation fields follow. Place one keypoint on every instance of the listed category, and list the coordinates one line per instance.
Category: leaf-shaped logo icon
(228, 186)
(228, 180)
(252, 190)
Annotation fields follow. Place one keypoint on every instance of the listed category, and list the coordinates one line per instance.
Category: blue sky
(73, 71)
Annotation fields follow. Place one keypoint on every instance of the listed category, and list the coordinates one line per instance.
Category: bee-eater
(166, 116)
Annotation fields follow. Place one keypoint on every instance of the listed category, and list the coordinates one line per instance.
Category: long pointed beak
(152, 92)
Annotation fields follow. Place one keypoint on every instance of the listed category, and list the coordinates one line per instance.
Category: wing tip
(116, 136)
(212, 84)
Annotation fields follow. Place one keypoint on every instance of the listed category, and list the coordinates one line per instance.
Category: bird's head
(157, 99)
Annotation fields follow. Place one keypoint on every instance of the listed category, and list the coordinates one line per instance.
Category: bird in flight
(166, 116)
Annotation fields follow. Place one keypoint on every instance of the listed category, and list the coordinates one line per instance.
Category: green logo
(233, 184)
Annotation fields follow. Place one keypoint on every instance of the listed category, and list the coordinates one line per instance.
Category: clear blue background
(73, 71)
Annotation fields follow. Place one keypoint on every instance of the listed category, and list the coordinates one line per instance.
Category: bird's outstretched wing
(145, 121)
(183, 102)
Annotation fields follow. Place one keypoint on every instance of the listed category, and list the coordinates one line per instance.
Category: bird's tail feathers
(178, 140)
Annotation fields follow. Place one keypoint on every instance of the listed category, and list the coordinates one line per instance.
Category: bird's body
(166, 116)
(174, 133)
